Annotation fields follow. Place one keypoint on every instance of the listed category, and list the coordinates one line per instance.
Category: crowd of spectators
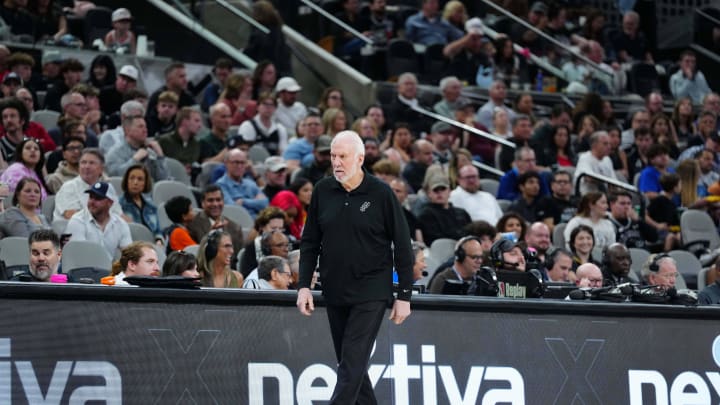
(107, 128)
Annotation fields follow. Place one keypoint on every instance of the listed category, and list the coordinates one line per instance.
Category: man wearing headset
(507, 255)
(616, 265)
(558, 263)
(660, 270)
(468, 260)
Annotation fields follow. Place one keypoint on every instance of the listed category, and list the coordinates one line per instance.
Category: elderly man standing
(236, 188)
(361, 237)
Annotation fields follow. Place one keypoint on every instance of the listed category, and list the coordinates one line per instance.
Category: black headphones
(552, 255)
(211, 247)
(654, 266)
(460, 253)
(496, 252)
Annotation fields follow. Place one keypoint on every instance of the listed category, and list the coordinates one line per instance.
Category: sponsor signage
(176, 349)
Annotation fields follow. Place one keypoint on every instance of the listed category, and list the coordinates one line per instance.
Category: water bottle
(539, 81)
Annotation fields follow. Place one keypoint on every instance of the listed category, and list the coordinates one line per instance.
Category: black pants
(354, 328)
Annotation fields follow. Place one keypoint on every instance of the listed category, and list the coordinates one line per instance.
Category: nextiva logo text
(62, 376)
(305, 389)
(688, 387)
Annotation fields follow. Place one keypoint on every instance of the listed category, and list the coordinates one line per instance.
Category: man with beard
(44, 255)
(320, 166)
(372, 153)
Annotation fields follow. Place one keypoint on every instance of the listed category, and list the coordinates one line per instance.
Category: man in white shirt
(596, 161)
(289, 111)
(71, 197)
(481, 205)
(96, 223)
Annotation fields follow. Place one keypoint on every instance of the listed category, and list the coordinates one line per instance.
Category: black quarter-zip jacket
(353, 234)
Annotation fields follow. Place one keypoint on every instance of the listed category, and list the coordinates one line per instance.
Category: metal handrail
(248, 19)
(546, 36)
(468, 128)
(197, 28)
(605, 179)
(337, 21)
(488, 168)
(707, 16)
(534, 58)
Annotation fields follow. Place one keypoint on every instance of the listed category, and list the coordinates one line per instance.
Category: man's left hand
(400, 311)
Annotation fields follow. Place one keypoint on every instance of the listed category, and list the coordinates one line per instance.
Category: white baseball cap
(121, 14)
(129, 71)
(287, 84)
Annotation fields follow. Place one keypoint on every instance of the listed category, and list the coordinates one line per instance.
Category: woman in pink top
(29, 162)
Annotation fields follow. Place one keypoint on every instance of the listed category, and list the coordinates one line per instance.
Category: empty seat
(15, 252)
(166, 189)
(47, 118)
(177, 171)
(490, 185)
(688, 266)
(239, 215)
(78, 254)
(140, 232)
(639, 257)
(401, 58)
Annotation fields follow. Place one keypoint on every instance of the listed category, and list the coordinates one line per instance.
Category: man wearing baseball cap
(96, 223)
(111, 97)
(289, 111)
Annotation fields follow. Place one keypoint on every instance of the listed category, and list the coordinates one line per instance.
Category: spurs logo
(364, 206)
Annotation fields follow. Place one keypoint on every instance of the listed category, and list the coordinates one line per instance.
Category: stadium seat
(558, 235)
(59, 225)
(401, 58)
(206, 171)
(239, 215)
(116, 182)
(48, 206)
(688, 266)
(141, 232)
(643, 79)
(696, 225)
(258, 154)
(85, 254)
(490, 185)
(434, 64)
(166, 189)
(639, 257)
(97, 23)
(47, 118)
(442, 249)
(193, 249)
(504, 205)
(177, 171)
(15, 253)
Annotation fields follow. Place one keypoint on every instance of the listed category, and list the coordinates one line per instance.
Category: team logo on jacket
(365, 206)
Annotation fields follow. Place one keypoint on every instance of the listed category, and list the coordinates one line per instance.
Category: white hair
(446, 81)
(407, 76)
(351, 137)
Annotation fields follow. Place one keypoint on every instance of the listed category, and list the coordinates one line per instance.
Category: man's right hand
(305, 302)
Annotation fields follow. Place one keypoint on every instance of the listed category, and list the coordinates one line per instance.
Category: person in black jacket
(439, 219)
(356, 227)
